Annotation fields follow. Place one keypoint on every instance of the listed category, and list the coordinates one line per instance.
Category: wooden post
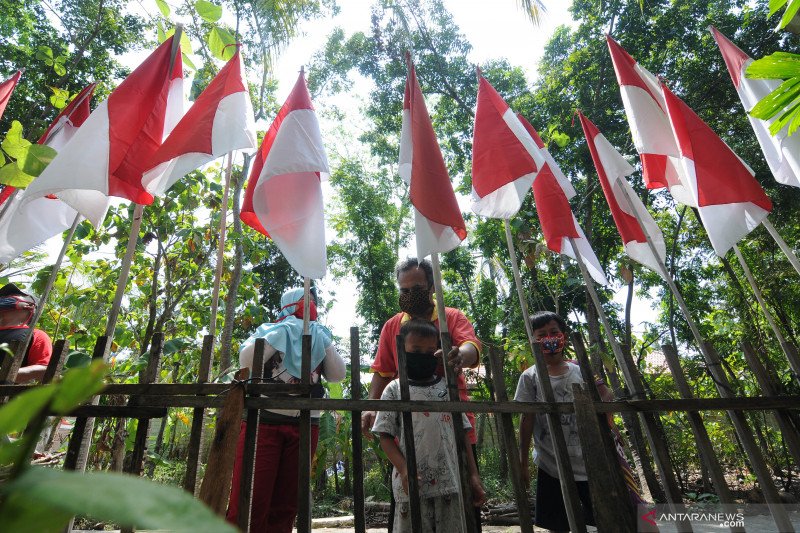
(198, 419)
(12, 363)
(223, 219)
(788, 350)
(614, 473)
(57, 360)
(452, 388)
(146, 376)
(608, 504)
(408, 439)
(701, 438)
(510, 443)
(748, 441)
(80, 441)
(782, 416)
(250, 441)
(790, 255)
(359, 521)
(658, 446)
(216, 484)
(304, 460)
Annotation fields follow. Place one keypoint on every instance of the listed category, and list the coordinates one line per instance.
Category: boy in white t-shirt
(550, 329)
(434, 440)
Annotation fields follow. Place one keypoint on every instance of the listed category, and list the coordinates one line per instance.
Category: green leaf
(78, 359)
(773, 103)
(775, 5)
(11, 174)
(777, 66)
(45, 53)
(188, 62)
(78, 385)
(208, 11)
(59, 68)
(163, 7)
(791, 11)
(218, 40)
(36, 159)
(16, 414)
(118, 498)
(162, 35)
(59, 98)
(2, 159)
(335, 390)
(14, 144)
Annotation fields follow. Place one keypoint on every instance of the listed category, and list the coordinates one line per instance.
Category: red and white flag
(730, 201)
(633, 221)
(505, 157)
(559, 224)
(28, 224)
(220, 121)
(647, 116)
(283, 199)
(6, 88)
(438, 223)
(107, 156)
(782, 151)
(550, 166)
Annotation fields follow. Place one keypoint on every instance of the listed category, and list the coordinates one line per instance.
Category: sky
(497, 29)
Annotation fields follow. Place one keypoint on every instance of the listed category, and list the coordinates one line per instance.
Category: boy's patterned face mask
(553, 343)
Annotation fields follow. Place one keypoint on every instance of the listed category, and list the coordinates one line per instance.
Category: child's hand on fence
(478, 492)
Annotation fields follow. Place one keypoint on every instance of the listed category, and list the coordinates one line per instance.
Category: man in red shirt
(415, 281)
(16, 312)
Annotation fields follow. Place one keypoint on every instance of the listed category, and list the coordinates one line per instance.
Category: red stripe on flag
(654, 170)
(732, 54)
(498, 157)
(555, 215)
(431, 190)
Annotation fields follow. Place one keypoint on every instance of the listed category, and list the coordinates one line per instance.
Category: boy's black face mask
(420, 365)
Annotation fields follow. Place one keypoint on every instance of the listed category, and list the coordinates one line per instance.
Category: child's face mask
(553, 343)
(420, 365)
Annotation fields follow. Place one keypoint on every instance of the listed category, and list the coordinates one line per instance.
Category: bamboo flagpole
(788, 349)
(724, 389)
(452, 388)
(223, 226)
(23, 347)
(569, 489)
(304, 459)
(790, 255)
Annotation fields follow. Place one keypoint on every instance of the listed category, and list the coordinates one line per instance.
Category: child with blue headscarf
(277, 450)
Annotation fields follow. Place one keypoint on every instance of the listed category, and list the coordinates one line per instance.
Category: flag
(630, 215)
(505, 158)
(730, 201)
(559, 224)
(781, 151)
(647, 116)
(438, 223)
(550, 166)
(106, 157)
(28, 224)
(284, 193)
(6, 88)
(220, 121)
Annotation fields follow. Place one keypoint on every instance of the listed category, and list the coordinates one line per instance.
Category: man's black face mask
(420, 366)
(416, 301)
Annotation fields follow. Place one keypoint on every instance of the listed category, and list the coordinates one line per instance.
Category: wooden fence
(149, 399)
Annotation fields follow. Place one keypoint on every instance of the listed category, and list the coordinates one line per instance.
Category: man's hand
(454, 359)
(478, 492)
(367, 421)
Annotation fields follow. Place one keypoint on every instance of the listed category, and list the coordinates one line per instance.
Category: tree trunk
(226, 338)
(348, 485)
(118, 446)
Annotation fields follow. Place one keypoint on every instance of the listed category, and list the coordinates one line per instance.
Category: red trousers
(275, 478)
